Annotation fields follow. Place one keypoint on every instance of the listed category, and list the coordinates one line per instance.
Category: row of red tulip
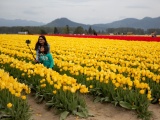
(117, 37)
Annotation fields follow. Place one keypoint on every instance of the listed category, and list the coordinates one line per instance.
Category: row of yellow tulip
(52, 77)
(12, 85)
(13, 97)
(92, 73)
(61, 90)
(97, 59)
(101, 61)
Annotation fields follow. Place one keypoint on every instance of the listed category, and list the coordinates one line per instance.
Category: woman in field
(45, 57)
(41, 42)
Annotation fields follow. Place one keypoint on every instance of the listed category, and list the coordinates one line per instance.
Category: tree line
(76, 30)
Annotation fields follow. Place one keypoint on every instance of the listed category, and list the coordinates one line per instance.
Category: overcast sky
(80, 11)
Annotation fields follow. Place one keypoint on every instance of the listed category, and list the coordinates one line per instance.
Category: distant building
(111, 33)
(23, 33)
(129, 33)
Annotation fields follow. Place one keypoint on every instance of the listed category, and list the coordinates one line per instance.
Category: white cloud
(81, 11)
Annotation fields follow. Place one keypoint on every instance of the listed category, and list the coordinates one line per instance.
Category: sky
(80, 11)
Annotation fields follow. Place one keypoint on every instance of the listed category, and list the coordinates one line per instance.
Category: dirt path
(100, 112)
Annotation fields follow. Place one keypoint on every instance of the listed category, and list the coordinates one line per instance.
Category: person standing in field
(153, 34)
(41, 42)
(45, 57)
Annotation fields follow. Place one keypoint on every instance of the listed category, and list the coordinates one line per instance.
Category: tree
(79, 30)
(43, 31)
(66, 30)
(90, 30)
(94, 32)
(55, 30)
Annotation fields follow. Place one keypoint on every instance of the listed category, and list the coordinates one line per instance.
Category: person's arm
(37, 55)
(50, 58)
(40, 60)
(48, 48)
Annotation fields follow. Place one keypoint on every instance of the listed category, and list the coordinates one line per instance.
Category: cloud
(29, 12)
(138, 7)
(82, 11)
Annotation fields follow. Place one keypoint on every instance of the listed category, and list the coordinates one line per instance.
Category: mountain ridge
(19, 22)
(144, 23)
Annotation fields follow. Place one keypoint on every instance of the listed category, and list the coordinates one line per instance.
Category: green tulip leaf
(125, 105)
(49, 104)
(105, 99)
(97, 99)
(134, 107)
(155, 100)
(81, 114)
(64, 115)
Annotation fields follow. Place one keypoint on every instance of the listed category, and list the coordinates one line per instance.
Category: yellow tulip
(9, 105)
(149, 96)
(91, 86)
(23, 97)
(73, 90)
(141, 91)
(117, 84)
(54, 92)
(43, 85)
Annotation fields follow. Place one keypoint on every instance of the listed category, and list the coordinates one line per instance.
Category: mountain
(62, 22)
(144, 23)
(19, 22)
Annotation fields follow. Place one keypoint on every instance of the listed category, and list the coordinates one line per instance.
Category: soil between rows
(100, 111)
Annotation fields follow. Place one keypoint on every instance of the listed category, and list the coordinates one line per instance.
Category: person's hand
(36, 61)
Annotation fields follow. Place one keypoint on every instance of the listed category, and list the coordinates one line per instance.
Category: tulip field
(123, 72)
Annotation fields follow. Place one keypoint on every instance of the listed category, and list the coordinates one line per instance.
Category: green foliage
(42, 31)
(66, 30)
(20, 109)
(56, 30)
(64, 115)
(79, 30)
(62, 100)
(67, 101)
